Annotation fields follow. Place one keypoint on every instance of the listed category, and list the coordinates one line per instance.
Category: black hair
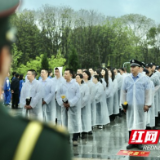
(113, 75)
(122, 69)
(106, 77)
(56, 68)
(99, 73)
(49, 72)
(81, 76)
(33, 72)
(21, 77)
(70, 71)
(98, 78)
(17, 75)
(13, 73)
(88, 73)
(146, 71)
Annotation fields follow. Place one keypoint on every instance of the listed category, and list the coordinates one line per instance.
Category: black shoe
(140, 147)
(130, 146)
(148, 128)
(120, 113)
(90, 133)
(83, 136)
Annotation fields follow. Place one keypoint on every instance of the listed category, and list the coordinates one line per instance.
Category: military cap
(134, 62)
(7, 32)
(143, 64)
(151, 65)
(146, 66)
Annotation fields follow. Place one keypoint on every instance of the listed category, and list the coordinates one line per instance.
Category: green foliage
(82, 39)
(54, 61)
(73, 62)
(44, 62)
(16, 55)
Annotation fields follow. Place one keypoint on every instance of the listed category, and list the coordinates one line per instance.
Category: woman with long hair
(108, 90)
(88, 81)
(85, 105)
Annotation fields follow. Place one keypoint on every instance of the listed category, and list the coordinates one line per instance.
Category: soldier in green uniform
(23, 139)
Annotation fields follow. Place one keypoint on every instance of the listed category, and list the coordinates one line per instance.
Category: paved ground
(105, 143)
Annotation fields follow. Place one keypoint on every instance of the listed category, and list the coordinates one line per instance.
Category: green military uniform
(24, 139)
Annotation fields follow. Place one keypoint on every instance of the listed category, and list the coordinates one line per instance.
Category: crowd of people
(87, 99)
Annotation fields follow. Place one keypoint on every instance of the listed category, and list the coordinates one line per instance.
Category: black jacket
(15, 85)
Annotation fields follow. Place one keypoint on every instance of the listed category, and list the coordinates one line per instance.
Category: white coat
(92, 91)
(32, 89)
(85, 108)
(151, 112)
(71, 118)
(58, 82)
(137, 93)
(119, 81)
(48, 90)
(109, 95)
(102, 116)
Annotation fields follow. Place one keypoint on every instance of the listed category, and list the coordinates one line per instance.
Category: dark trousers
(15, 100)
(129, 134)
(75, 136)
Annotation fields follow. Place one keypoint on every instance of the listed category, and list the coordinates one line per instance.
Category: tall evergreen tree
(73, 61)
(44, 63)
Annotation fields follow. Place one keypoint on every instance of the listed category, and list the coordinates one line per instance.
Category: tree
(84, 38)
(44, 62)
(16, 55)
(73, 62)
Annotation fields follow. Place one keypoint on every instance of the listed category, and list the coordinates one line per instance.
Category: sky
(117, 8)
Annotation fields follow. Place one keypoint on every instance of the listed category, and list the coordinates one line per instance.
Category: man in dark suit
(15, 92)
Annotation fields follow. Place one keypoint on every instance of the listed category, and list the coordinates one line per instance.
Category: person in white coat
(108, 89)
(115, 95)
(102, 117)
(90, 84)
(137, 92)
(150, 123)
(119, 81)
(32, 91)
(155, 79)
(48, 90)
(91, 71)
(85, 105)
(58, 80)
(69, 98)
